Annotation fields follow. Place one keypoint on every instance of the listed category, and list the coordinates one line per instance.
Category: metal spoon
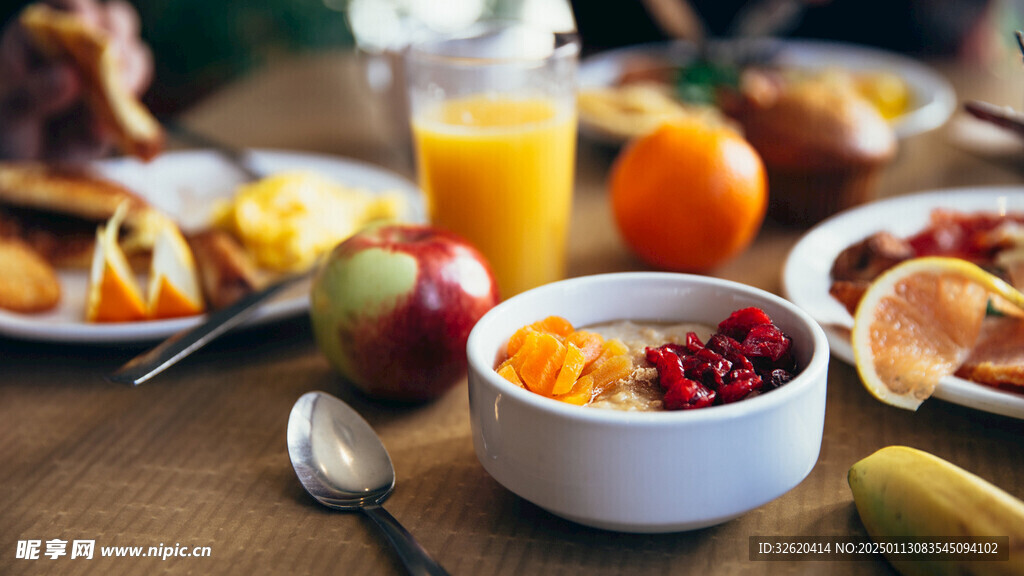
(343, 464)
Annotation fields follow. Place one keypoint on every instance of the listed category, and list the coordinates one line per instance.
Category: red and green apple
(392, 308)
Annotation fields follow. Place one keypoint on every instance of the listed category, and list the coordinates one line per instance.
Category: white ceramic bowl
(646, 471)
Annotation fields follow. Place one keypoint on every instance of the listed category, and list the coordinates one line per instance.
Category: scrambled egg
(288, 220)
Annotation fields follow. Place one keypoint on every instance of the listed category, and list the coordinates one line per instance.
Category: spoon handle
(416, 559)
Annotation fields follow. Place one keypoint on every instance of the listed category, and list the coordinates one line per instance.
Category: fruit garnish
(551, 358)
(918, 322)
(113, 293)
(747, 355)
(174, 289)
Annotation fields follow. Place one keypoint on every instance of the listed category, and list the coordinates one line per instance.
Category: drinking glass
(493, 114)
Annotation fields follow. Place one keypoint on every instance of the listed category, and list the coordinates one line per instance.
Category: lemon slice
(918, 322)
(113, 294)
(174, 289)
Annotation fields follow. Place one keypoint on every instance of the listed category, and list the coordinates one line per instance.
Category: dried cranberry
(707, 367)
(722, 344)
(739, 361)
(668, 363)
(693, 343)
(766, 341)
(739, 385)
(677, 349)
(748, 355)
(686, 394)
(739, 323)
(681, 393)
(730, 349)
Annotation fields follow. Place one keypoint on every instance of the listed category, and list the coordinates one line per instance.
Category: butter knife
(180, 345)
(237, 157)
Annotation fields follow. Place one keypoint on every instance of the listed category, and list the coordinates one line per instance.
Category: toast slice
(227, 272)
(64, 35)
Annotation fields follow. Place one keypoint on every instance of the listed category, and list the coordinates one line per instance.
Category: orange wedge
(917, 324)
(174, 288)
(113, 293)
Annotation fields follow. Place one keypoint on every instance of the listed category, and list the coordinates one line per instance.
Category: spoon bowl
(342, 463)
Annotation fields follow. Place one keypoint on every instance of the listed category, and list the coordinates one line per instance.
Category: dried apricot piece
(571, 368)
(551, 325)
(582, 392)
(610, 370)
(508, 372)
(609, 349)
(540, 368)
(551, 358)
(526, 347)
(554, 325)
(591, 343)
(518, 339)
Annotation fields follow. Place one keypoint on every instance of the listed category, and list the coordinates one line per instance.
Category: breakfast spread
(50, 214)
(648, 366)
(391, 310)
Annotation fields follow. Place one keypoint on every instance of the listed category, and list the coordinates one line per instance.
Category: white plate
(806, 281)
(934, 99)
(186, 185)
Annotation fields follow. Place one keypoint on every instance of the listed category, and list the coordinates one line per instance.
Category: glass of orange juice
(494, 129)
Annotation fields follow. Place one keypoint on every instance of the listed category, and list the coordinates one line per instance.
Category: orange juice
(499, 171)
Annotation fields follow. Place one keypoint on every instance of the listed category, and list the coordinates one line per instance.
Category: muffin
(823, 145)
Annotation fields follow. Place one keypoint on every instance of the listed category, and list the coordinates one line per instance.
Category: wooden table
(196, 458)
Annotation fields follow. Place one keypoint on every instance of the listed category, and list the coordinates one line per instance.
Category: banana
(901, 491)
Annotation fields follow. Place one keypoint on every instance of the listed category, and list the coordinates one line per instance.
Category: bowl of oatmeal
(611, 445)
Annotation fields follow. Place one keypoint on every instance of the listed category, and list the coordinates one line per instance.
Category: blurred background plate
(186, 185)
(933, 97)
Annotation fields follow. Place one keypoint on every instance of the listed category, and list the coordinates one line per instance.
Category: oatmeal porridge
(650, 366)
(640, 390)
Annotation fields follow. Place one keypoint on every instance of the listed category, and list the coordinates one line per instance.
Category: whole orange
(688, 196)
